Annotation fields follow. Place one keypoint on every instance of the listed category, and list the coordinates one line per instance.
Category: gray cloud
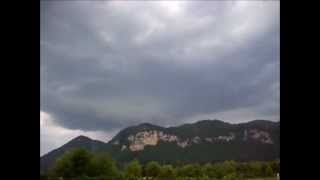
(108, 65)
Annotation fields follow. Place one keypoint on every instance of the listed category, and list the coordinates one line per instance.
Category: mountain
(47, 160)
(203, 141)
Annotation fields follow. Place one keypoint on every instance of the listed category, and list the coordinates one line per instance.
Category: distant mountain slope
(47, 160)
(203, 141)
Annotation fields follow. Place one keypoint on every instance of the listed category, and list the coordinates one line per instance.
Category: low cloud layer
(53, 135)
(106, 65)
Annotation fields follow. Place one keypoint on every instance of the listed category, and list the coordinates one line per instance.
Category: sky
(107, 65)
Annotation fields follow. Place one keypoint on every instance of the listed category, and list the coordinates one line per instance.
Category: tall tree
(152, 169)
(209, 170)
(73, 164)
(168, 172)
(133, 170)
(103, 165)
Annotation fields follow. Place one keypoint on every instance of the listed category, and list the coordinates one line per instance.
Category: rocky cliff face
(139, 140)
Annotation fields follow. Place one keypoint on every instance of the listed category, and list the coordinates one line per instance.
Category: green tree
(196, 170)
(73, 164)
(103, 165)
(168, 172)
(190, 170)
(255, 169)
(243, 170)
(152, 169)
(133, 170)
(266, 170)
(231, 176)
(275, 166)
(209, 170)
(204, 178)
(218, 170)
(230, 167)
(43, 176)
(185, 171)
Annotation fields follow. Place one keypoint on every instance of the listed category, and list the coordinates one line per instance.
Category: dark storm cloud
(108, 65)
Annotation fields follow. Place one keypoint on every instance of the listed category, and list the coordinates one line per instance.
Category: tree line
(80, 164)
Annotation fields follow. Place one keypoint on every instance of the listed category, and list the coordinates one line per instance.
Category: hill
(203, 141)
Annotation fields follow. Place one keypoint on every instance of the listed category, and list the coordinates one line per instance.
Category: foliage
(266, 170)
(209, 170)
(43, 177)
(152, 169)
(231, 176)
(73, 164)
(103, 165)
(80, 164)
(167, 171)
(133, 170)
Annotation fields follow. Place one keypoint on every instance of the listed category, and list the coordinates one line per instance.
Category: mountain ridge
(204, 140)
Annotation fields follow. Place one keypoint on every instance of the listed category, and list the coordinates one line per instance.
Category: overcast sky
(106, 65)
